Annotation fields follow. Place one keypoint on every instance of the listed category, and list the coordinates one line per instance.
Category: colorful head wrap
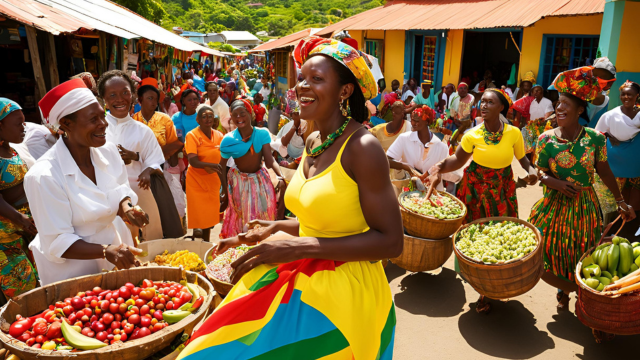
(632, 84)
(7, 106)
(65, 99)
(343, 53)
(504, 99)
(239, 103)
(580, 83)
(463, 83)
(426, 113)
(530, 77)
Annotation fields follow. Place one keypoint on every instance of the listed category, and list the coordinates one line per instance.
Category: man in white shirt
(541, 107)
(266, 88)
(220, 108)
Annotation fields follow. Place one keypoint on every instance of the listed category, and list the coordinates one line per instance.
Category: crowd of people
(119, 161)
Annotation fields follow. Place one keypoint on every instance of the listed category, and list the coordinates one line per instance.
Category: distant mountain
(276, 17)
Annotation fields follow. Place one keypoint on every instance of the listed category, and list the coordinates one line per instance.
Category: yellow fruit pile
(189, 260)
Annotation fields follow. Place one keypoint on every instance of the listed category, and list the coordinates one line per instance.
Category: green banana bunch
(173, 316)
(590, 271)
(600, 256)
(613, 257)
(606, 274)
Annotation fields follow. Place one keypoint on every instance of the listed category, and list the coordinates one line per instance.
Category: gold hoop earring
(345, 109)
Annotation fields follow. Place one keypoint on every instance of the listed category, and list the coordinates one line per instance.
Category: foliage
(222, 47)
(277, 17)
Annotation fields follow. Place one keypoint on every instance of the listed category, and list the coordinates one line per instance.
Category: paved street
(436, 319)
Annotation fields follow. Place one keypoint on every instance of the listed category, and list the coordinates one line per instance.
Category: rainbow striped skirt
(306, 309)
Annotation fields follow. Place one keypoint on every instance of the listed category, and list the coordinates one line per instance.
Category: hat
(578, 82)
(425, 113)
(149, 81)
(530, 77)
(427, 82)
(65, 99)
(7, 106)
(343, 53)
(605, 63)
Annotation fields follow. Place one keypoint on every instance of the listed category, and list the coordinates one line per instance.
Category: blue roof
(191, 33)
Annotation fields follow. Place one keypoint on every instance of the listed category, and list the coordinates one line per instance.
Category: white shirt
(592, 110)
(448, 100)
(540, 109)
(221, 110)
(38, 139)
(67, 206)
(512, 94)
(408, 94)
(296, 145)
(408, 149)
(265, 91)
(616, 123)
(137, 137)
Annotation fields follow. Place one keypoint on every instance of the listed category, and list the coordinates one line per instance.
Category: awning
(289, 40)
(67, 16)
(462, 14)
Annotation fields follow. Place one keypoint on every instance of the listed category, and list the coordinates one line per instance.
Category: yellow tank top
(327, 204)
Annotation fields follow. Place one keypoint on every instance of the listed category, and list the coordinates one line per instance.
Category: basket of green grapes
(435, 218)
(500, 257)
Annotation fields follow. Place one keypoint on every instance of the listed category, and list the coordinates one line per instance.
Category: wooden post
(102, 49)
(41, 88)
(52, 61)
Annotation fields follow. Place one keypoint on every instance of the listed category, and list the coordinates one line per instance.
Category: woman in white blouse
(417, 151)
(137, 144)
(79, 193)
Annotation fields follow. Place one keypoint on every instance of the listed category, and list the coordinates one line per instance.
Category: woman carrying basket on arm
(487, 187)
(568, 215)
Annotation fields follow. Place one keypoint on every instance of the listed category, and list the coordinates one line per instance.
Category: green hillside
(277, 17)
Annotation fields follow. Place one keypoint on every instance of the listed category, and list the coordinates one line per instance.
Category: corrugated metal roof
(289, 40)
(462, 14)
(40, 16)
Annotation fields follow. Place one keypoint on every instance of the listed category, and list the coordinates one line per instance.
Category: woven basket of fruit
(500, 257)
(438, 218)
(420, 254)
(608, 279)
(219, 268)
(143, 312)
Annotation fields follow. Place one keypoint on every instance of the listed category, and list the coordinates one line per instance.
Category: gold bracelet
(104, 251)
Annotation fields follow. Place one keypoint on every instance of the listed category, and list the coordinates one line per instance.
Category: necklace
(395, 133)
(330, 140)
(248, 137)
(491, 138)
(576, 139)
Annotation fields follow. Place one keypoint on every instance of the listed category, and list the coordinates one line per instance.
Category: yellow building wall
(532, 37)
(393, 50)
(629, 48)
(453, 57)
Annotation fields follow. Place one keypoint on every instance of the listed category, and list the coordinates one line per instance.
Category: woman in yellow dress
(329, 297)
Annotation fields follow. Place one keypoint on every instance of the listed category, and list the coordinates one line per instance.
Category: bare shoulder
(364, 154)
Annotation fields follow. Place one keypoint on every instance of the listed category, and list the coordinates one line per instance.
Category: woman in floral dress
(569, 214)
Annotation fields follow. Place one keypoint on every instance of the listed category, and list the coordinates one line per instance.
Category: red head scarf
(425, 113)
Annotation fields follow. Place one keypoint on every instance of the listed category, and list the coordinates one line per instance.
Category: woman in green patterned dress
(569, 213)
(17, 274)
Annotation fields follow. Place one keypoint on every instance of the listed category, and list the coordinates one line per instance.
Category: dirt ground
(436, 319)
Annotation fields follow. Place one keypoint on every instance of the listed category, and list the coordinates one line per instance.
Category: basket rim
(462, 206)
(578, 276)
(206, 270)
(499, 218)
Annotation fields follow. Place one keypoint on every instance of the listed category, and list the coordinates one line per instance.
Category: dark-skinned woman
(621, 126)
(79, 192)
(203, 176)
(568, 215)
(487, 187)
(17, 273)
(250, 194)
(387, 133)
(185, 120)
(165, 133)
(137, 144)
(329, 296)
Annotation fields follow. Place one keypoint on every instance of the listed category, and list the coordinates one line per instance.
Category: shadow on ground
(508, 331)
(567, 326)
(430, 294)
(392, 271)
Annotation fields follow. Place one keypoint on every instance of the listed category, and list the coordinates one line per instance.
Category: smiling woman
(79, 193)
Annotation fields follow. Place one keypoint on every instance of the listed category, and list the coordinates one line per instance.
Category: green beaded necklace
(330, 140)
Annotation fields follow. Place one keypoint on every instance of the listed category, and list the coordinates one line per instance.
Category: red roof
(41, 16)
(462, 14)
(289, 40)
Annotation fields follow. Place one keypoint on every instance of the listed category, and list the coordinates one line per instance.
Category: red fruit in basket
(123, 337)
(84, 318)
(145, 321)
(55, 330)
(88, 293)
(120, 300)
(128, 328)
(157, 327)
(31, 341)
(115, 325)
(60, 304)
(144, 332)
(171, 293)
(118, 317)
(134, 319)
(147, 283)
(139, 303)
(97, 290)
(109, 331)
(36, 346)
(26, 336)
(85, 331)
(169, 305)
(107, 318)
(147, 294)
(80, 314)
(68, 310)
(91, 333)
(110, 337)
(144, 310)
(113, 308)
(81, 294)
(40, 339)
(136, 291)
(160, 306)
(93, 319)
(108, 296)
(158, 315)
(94, 303)
(102, 336)
(77, 303)
(78, 323)
(72, 317)
(87, 311)
(125, 292)
(104, 305)
(40, 328)
(122, 308)
(135, 309)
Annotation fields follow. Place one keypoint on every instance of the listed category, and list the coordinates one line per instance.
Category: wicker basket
(35, 301)
(221, 287)
(502, 281)
(423, 254)
(427, 227)
(619, 315)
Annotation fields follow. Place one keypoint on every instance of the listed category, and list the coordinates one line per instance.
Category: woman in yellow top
(329, 297)
(487, 187)
(203, 181)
